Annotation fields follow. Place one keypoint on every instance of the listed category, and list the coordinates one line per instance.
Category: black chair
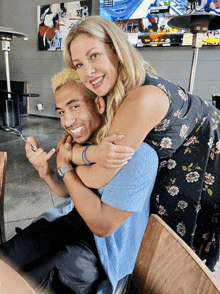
(11, 110)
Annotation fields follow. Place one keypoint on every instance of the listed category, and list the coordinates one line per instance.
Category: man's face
(80, 115)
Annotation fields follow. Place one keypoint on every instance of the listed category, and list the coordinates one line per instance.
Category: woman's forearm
(89, 154)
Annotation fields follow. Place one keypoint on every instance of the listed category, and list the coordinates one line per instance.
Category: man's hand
(64, 150)
(39, 159)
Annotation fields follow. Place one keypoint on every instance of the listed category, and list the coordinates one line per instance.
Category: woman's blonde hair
(132, 67)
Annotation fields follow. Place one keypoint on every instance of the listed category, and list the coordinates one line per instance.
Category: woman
(182, 128)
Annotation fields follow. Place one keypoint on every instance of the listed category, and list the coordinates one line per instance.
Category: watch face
(59, 174)
(62, 170)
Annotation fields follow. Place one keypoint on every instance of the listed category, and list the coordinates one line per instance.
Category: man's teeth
(97, 81)
(76, 130)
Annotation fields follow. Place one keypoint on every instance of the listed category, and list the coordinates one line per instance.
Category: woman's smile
(97, 82)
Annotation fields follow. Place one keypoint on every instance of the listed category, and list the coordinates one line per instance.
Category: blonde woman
(182, 128)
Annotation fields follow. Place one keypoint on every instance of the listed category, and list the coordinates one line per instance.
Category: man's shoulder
(145, 155)
(143, 164)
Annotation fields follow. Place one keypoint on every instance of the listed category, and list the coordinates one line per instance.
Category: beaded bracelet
(83, 156)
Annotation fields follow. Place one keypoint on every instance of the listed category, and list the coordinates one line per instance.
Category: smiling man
(92, 241)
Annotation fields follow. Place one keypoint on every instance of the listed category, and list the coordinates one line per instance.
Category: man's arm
(105, 217)
(40, 160)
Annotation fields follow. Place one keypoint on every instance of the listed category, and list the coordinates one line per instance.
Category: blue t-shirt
(129, 190)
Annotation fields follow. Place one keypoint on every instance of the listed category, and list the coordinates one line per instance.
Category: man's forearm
(87, 203)
(58, 187)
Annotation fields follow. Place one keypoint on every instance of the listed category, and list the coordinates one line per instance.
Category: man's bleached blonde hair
(132, 67)
(66, 76)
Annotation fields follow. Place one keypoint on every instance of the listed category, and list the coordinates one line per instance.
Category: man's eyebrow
(87, 53)
(68, 103)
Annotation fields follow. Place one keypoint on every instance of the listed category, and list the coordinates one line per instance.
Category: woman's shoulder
(148, 94)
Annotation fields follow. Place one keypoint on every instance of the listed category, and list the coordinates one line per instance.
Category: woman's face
(96, 64)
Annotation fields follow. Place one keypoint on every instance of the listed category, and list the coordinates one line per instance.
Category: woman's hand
(39, 159)
(64, 150)
(109, 155)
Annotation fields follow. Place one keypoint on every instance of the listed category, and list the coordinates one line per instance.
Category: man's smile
(76, 132)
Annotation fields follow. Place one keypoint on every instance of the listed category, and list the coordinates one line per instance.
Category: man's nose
(69, 119)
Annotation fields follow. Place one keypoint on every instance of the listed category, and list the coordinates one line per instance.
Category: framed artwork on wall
(55, 21)
(145, 21)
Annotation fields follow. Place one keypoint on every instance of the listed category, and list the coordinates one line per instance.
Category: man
(94, 243)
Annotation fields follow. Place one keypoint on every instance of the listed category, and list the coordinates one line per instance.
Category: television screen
(145, 21)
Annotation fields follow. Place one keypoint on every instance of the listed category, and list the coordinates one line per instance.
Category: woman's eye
(94, 55)
(78, 65)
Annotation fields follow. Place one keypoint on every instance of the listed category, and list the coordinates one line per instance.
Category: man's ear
(100, 104)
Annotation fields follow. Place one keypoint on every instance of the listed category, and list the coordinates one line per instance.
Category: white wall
(175, 65)
(38, 67)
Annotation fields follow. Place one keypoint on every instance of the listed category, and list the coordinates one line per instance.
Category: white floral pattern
(209, 179)
(182, 204)
(161, 210)
(162, 87)
(186, 192)
(210, 143)
(192, 177)
(190, 141)
(173, 190)
(183, 95)
(183, 131)
(162, 126)
(181, 228)
(171, 164)
(166, 143)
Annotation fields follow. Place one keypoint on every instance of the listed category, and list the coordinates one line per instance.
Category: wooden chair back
(3, 164)
(166, 264)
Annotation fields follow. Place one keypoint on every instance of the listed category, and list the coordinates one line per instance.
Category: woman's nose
(90, 70)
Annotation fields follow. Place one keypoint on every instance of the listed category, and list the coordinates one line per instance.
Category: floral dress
(187, 190)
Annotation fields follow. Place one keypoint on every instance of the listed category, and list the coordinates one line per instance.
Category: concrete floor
(26, 195)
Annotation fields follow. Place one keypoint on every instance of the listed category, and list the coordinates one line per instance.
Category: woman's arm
(139, 113)
(107, 154)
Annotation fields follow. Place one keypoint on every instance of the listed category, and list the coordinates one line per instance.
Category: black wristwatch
(62, 170)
